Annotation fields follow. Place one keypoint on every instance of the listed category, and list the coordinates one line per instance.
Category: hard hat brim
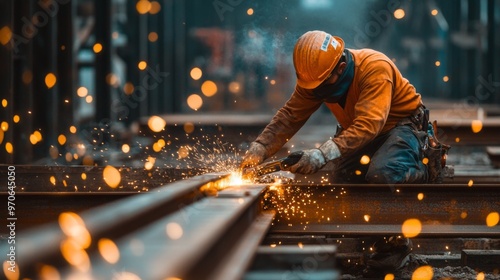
(322, 78)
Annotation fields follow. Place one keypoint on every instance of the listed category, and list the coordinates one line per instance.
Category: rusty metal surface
(439, 252)
(378, 209)
(430, 245)
(37, 178)
(243, 252)
(36, 209)
(190, 229)
(206, 226)
(463, 175)
(295, 262)
(112, 220)
(485, 260)
(452, 129)
(209, 229)
(494, 155)
(393, 229)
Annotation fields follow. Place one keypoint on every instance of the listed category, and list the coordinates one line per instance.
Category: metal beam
(295, 262)
(166, 225)
(241, 255)
(382, 209)
(176, 248)
(115, 220)
(39, 179)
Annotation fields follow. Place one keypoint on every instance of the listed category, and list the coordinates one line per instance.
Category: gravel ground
(415, 262)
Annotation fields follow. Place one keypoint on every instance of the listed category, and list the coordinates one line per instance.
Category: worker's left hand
(314, 159)
(255, 155)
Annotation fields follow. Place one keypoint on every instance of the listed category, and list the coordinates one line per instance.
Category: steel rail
(37, 178)
(113, 220)
(442, 209)
(202, 237)
(428, 230)
(199, 228)
(205, 227)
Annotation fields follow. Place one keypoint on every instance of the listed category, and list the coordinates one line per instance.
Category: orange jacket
(378, 97)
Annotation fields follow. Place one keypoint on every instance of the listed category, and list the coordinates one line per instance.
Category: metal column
(45, 109)
(130, 112)
(493, 46)
(66, 67)
(173, 62)
(6, 76)
(103, 60)
(23, 84)
(179, 43)
(167, 55)
(154, 92)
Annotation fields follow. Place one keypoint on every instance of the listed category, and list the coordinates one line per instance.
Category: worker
(381, 117)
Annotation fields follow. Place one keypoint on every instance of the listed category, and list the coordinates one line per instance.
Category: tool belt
(418, 119)
(434, 152)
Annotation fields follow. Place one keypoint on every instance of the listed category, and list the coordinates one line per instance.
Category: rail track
(208, 227)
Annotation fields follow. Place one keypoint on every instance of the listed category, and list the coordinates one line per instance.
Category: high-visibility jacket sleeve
(288, 120)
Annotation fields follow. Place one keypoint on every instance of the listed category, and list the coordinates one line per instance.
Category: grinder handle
(291, 159)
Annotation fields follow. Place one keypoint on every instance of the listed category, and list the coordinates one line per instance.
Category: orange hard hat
(315, 55)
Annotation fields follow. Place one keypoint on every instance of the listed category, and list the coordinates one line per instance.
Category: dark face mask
(324, 92)
(333, 93)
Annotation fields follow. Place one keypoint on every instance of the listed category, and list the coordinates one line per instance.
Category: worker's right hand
(313, 160)
(255, 155)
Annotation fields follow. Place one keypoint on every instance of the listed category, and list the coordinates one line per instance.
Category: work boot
(436, 154)
(390, 254)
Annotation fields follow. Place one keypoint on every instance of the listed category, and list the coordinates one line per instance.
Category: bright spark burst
(198, 151)
(236, 179)
(293, 205)
(216, 157)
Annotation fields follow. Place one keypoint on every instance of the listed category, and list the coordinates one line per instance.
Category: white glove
(255, 155)
(314, 159)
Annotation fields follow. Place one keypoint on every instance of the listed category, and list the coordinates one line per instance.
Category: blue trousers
(395, 157)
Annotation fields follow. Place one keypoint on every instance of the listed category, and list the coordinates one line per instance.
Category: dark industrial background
(91, 69)
(123, 123)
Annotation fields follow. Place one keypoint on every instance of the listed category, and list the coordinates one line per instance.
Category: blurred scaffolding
(91, 69)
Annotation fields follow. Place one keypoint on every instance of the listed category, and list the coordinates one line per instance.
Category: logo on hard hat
(324, 46)
(335, 43)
